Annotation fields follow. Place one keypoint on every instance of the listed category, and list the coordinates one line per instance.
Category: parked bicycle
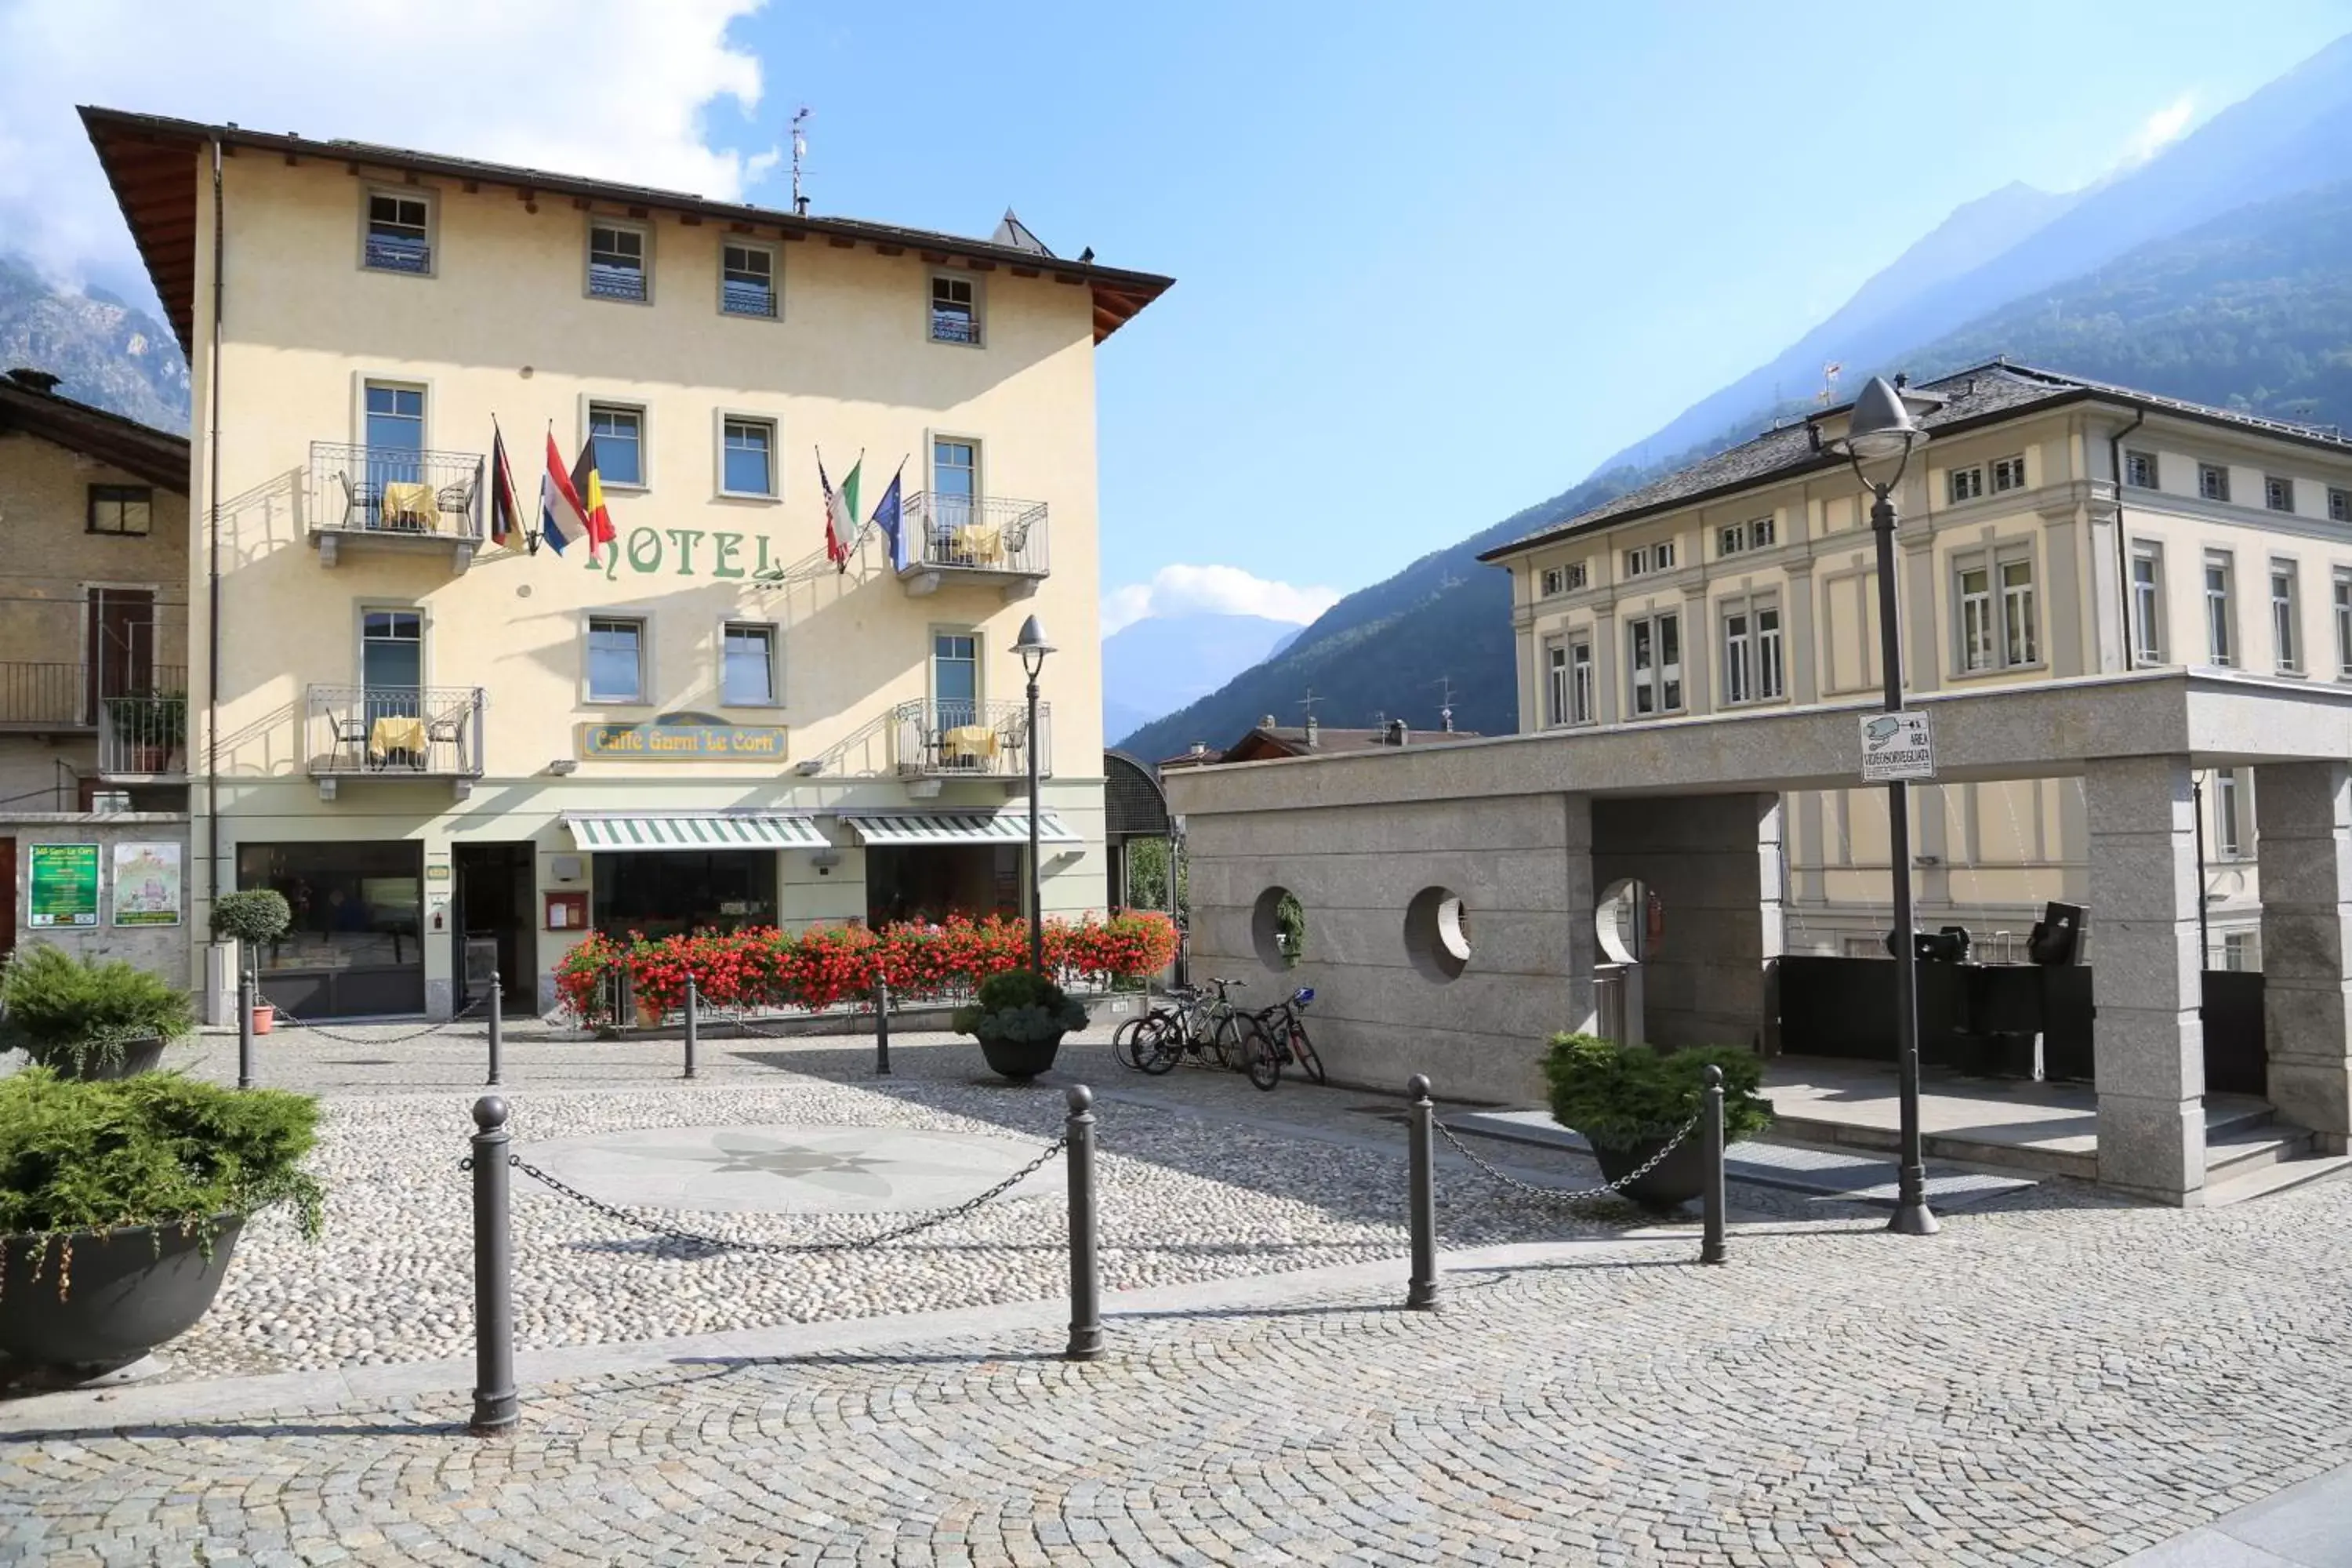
(1205, 1029)
(1286, 1029)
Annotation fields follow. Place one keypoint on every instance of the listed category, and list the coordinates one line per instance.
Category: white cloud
(1212, 591)
(614, 89)
(2160, 130)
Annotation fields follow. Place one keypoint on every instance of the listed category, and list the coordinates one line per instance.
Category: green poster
(64, 879)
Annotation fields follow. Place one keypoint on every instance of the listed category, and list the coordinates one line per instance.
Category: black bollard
(247, 988)
(693, 1022)
(1710, 1246)
(1421, 1292)
(497, 1033)
(1086, 1264)
(496, 1405)
(882, 1026)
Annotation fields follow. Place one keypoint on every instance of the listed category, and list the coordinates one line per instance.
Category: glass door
(395, 457)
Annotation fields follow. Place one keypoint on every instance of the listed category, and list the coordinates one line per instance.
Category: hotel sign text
(658, 743)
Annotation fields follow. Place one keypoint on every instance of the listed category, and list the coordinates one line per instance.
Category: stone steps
(2277, 1176)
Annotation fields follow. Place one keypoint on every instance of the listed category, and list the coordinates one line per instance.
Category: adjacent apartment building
(454, 753)
(2052, 527)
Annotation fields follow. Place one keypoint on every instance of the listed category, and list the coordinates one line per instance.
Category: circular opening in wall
(1437, 933)
(1278, 929)
(1631, 923)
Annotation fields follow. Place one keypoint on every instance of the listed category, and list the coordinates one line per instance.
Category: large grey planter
(129, 1292)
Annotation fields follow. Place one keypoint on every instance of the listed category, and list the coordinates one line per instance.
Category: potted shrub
(1628, 1101)
(251, 918)
(1019, 1020)
(121, 1203)
(103, 1018)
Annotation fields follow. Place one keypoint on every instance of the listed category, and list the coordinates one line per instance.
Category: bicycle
(1286, 1030)
(1203, 1030)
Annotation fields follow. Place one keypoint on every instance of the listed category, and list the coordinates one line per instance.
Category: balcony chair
(457, 501)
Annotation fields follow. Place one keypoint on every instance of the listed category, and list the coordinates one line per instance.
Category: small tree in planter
(104, 1018)
(121, 1203)
(1019, 1020)
(1629, 1100)
(252, 919)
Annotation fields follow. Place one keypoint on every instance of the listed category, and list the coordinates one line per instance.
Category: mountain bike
(1206, 1030)
(1286, 1028)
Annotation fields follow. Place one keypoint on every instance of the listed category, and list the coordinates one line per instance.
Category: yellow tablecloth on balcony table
(981, 546)
(409, 504)
(967, 743)
(396, 732)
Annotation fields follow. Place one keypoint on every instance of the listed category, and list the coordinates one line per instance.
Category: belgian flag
(590, 487)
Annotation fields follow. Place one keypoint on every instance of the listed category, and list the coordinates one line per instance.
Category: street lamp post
(1881, 427)
(1032, 648)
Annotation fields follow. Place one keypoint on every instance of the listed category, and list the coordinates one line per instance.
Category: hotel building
(455, 753)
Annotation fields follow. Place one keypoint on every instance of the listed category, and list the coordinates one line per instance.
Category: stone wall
(163, 950)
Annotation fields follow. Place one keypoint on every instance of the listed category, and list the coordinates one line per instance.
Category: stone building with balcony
(456, 752)
(93, 657)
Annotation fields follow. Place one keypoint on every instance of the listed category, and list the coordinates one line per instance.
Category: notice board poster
(146, 884)
(62, 885)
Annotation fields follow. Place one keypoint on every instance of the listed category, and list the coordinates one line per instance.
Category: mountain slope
(2294, 134)
(102, 350)
(1159, 664)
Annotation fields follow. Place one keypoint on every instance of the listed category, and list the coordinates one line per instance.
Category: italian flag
(840, 513)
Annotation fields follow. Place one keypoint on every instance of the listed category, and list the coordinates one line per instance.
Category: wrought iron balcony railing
(954, 327)
(994, 536)
(69, 695)
(144, 736)
(970, 740)
(394, 491)
(394, 731)
(399, 253)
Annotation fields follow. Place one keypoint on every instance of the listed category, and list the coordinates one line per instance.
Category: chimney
(1446, 719)
(1266, 722)
(1200, 748)
(1314, 731)
(1396, 733)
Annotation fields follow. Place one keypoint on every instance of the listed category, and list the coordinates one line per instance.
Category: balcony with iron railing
(991, 542)
(394, 498)
(144, 736)
(969, 740)
(58, 695)
(394, 732)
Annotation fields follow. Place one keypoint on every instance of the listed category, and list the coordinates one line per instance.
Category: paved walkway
(2056, 1378)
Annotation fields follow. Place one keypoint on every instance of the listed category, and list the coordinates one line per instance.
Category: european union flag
(886, 518)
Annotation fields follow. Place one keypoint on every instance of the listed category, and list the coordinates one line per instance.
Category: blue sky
(1434, 262)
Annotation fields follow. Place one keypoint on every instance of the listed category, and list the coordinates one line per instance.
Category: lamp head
(1880, 427)
(1032, 648)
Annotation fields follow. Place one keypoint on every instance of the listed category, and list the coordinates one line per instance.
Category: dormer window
(617, 263)
(399, 233)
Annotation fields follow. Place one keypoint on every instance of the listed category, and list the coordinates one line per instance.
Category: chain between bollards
(497, 1033)
(1710, 1246)
(246, 989)
(1421, 1196)
(496, 1403)
(1086, 1262)
(693, 1022)
(882, 1027)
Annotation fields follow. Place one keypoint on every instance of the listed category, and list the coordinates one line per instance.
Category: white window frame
(2229, 823)
(588, 626)
(1581, 708)
(2278, 493)
(645, 233)
(767, 422)
(1552, 583)
(1987, 624)
(1963, 485)
(2286, 611)
(1579, 574)
(369, 195)
(2008, 473)
(1659, 687)
(2213, 482)
(1555, 668)
(2241, 951)
(2340, 504)
(1763, 532)
(2154, 471)
(2343, 585)
(1755, 667)
(1662, 555)
(589, 407)
(1731, 539)
(775, 310)
(2220, 616)
(2147, 602)
(979, 661)
(970, 280)
(1637, 562)
(774, 635)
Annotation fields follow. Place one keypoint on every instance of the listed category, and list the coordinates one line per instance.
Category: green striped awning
(614, 831)
(957, 827)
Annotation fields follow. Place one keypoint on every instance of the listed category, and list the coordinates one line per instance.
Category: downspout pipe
(2122, 545)
(213, 568)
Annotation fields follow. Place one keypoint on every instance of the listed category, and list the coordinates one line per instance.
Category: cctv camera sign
(1897, 746)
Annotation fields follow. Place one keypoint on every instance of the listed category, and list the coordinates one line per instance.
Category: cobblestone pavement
(1202, 1177)
(2052, 1380)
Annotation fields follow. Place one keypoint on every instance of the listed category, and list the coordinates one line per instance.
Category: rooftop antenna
(800, 150)
(1830, 374)
(1308, 702)
(1444, 684)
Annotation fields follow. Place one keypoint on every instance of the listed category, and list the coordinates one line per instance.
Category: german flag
(590, 487)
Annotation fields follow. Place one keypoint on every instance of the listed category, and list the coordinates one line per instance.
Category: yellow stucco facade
(323, 349)
(2019, 559)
